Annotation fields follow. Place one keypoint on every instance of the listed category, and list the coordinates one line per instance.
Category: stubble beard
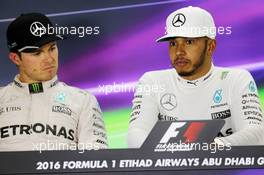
(196, 66)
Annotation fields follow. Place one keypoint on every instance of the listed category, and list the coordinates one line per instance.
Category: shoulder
(158, 75)
(232, 73)
(77, 93)
(235, 78)
(4, 90)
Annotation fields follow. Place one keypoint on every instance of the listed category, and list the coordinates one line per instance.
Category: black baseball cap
(29, 32)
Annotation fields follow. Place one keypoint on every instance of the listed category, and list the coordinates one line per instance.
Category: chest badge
(218, 96)
(168, 101)
(60, 98)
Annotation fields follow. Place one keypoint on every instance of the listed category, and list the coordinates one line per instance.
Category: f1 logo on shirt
(190, 135)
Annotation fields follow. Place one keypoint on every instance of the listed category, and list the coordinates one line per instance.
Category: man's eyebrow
(35, 51)
(53, 44)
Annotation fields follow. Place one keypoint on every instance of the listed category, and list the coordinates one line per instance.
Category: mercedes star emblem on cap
(37, 29)
(178, 20)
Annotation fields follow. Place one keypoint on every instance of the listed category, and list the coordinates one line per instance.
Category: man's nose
(48, 58)
(180, 50)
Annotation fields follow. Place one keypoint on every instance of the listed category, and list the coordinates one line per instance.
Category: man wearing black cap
(36, 110)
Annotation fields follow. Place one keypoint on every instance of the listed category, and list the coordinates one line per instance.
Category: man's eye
(52, 48)
(172, 43)
(189, 41)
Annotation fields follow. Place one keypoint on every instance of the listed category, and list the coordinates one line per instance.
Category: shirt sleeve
(91, 128)
(144, 112)
(246, 111)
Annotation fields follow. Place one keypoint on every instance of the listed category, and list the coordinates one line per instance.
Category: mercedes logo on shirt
(178, 20)
(37, 29)
(168, 101)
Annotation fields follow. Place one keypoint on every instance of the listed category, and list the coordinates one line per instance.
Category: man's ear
(211, 46)
(15, 58)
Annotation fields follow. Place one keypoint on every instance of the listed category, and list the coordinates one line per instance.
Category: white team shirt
(58, 116)
(223, 93)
